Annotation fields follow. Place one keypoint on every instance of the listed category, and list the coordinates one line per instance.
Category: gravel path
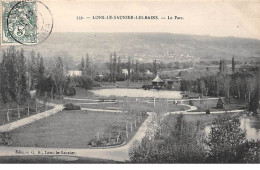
(30, 119)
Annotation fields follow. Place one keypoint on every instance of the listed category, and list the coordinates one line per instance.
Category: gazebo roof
(157, 79)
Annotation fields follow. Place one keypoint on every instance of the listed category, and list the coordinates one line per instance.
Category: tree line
(19, 75)
(13, 77)
(238, 84)
(137, 70)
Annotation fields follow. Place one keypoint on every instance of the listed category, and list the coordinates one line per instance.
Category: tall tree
(233, 64)
(41, 86)
(33, 70)
(136, 69)
(119, 69)
(202, 86)
(227, 82)
(21, 89)
(155, 66)
(220, 66)
(4, 83)
(128, 71)
(59, 77)
(82, 66)
(13, 77)
(110, 68)
(87, 65)
(11, 71)
(114, 67)
(254, 104)
(224, 67)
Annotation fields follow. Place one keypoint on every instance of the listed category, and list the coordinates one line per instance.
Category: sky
(240, 18)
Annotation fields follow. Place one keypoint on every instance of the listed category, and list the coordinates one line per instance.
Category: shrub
(6, 138)
(96, 84)
(87, 82)
(220, 104)
(70, 91)
(71, 106)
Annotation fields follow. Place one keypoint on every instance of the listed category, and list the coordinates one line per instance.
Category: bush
(191, 103)
(70, 106)
(96, 84)
(70, 91)
(85, 82)
(5, 138)
(103, 142)
(220, 104)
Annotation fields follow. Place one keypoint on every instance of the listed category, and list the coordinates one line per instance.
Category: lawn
(124, 84)
(195, 120)
(83, 94)
(74, 129)
(13, 113)
(122, 105)
(203, 105)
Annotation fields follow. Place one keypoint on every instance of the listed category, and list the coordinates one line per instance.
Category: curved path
(116, 154)
(193, 109)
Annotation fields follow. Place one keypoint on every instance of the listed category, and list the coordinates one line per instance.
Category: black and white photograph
(130, 82)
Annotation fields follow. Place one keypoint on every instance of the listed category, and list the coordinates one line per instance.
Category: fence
(12, 114)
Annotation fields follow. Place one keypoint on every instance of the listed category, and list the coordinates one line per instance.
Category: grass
(76, 128)
(203, 119)
(120, 104)
(72, 129)
(123, 84)
(83, 94)
(13, 114)
(149, 107)
(203, 105)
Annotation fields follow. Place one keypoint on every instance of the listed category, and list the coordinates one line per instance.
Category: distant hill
(145, 45)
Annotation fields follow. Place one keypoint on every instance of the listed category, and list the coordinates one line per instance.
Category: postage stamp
(25, 22)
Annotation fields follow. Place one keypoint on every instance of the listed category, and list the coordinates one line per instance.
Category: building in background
(74, 73)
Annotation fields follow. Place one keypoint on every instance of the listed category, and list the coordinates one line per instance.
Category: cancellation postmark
(25, 22)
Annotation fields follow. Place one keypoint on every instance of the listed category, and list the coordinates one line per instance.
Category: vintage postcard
(130, 81)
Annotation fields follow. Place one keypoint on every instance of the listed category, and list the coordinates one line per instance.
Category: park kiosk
(157, 82)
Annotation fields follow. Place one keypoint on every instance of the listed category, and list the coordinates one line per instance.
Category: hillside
(145, 45)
